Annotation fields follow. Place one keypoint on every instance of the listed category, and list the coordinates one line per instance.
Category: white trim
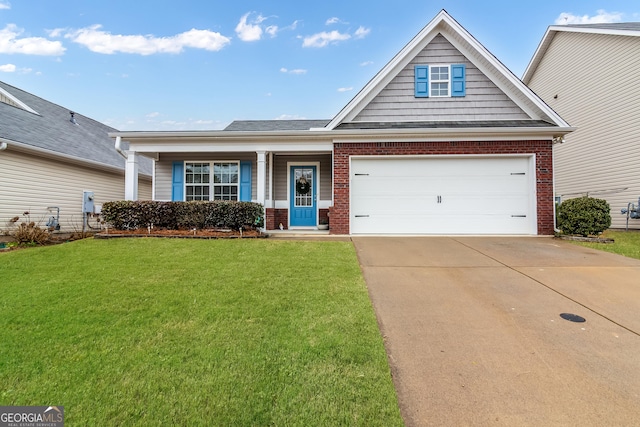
(447, 81)
(25, 148)
(20, 104)
(317, 189)
(211, 173)
(131, 176)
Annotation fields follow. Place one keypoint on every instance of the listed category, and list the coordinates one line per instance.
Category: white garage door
(443, 195)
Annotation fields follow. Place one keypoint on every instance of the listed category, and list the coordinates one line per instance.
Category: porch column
(131, 176)
(261, 175)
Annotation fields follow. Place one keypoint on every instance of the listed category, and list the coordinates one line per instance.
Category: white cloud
(8, 68)
(602, 17)
(331, 21)
(345, 89)
(290, 117)
(272, 30)
(152, 115)
(5, 5)
(365, 63)
(362, 32)
(11, 43)
(324, 39)
(294, 71)
(249, 31)
(100, 41)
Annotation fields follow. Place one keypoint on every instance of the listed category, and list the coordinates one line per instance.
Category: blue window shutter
(421, 81)
(177, 182)
(458, 84)
(245, 181)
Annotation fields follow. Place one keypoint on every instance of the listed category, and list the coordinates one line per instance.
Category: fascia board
(539, 54)
(300, 144)
(25, 148)
(18, 102)
(452, 134)
(552, 32)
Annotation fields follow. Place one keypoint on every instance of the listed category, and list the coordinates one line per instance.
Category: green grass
(627, 243)
(182, 332)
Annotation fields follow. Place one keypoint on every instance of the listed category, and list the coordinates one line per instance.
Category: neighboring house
(49, 157)
(443, 140)
(590, 74)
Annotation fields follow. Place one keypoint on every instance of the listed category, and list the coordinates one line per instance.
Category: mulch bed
(182, 234)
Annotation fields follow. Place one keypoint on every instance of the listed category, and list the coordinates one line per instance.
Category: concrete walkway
(474, 335)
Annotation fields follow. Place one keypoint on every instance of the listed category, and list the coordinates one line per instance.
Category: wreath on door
(302, 186)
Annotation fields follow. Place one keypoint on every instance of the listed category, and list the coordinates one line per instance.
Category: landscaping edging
(586, 239)
(174, 236)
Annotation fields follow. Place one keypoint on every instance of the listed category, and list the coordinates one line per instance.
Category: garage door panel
(442, 196)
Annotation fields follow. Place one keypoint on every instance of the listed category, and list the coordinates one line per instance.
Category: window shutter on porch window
(421, 77)
(177, 182)
(458, 84)
(245, 181)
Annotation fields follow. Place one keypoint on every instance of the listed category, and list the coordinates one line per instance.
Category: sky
(198, 65)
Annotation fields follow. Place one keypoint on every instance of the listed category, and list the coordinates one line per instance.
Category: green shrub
(130, 215)
(584, 216)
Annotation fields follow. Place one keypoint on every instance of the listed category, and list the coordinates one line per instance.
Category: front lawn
(183, 332)
(626, 243)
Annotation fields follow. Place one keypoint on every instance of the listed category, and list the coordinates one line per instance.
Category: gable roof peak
(445, 25)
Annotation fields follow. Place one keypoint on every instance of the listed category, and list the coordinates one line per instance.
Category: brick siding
(544, 170)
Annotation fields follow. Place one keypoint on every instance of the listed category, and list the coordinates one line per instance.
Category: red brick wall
(542, 150)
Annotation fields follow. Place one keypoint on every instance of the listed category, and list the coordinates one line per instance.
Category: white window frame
(212, 184)
(432, 80)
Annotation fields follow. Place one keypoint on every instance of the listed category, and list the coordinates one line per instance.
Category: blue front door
(303, 197)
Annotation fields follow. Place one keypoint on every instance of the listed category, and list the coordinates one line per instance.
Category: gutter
(118, 147)
(19, 146)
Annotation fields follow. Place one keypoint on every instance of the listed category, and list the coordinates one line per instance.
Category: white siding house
(49, 157)
(590, 75)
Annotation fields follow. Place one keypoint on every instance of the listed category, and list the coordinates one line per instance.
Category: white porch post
(261, 175)
(131, 176)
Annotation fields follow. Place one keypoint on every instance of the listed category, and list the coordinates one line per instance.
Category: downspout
(556, 140)
(119, 147)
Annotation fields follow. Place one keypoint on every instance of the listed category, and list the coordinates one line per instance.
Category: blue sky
(192, 65)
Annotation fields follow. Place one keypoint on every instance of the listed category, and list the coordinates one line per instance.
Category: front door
(303, 196)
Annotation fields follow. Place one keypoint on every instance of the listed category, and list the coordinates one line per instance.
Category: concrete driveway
(474, 335)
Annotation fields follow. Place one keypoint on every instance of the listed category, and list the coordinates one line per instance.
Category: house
(49, 158)
(589, 74)
(443, 140)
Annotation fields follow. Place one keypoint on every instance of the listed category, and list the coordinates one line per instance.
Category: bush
(584, 216)
(130, 215)
(30, 234)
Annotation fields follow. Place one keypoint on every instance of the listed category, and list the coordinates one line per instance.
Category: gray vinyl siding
(164, 169)
(281, 172)
(32, 184)
(595, 79)
(483, 99)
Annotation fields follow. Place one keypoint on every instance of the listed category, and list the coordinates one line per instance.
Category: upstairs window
(440, 80)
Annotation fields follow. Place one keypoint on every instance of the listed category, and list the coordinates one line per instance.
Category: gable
(485, 67)
(483, 100)
(9, 99)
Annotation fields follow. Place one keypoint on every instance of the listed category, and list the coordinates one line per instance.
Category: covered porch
(289, 175)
